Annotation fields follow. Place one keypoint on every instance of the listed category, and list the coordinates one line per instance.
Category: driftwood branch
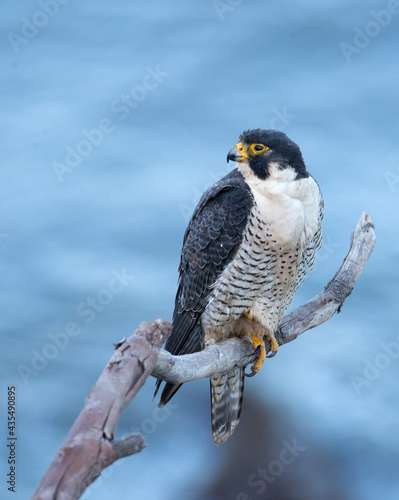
(225, 356)
(90, 446)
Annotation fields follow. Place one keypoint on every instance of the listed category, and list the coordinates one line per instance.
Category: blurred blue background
(115, 117)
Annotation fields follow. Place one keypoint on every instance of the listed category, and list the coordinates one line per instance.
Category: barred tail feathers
(227, 390)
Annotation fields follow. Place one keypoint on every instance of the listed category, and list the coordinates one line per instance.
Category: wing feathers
(211, 240)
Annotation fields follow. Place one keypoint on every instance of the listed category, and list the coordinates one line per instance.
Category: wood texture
(90, 445)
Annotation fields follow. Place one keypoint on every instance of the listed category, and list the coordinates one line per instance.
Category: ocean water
(115, 118)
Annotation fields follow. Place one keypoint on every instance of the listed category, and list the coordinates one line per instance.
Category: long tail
(227, 391)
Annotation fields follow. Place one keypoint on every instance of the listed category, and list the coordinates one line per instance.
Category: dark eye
(258, 147)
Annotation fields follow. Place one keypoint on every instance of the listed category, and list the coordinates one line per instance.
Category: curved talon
(260, 348)
(258, 343)
(273, 344)
(257, 350)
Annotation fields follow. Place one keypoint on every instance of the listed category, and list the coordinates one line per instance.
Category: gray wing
(212, 238)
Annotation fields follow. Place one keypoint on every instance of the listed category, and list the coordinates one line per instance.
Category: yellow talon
(262, 355)
(273, 344)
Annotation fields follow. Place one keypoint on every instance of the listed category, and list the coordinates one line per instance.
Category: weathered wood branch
(225, 356)
(90, 446)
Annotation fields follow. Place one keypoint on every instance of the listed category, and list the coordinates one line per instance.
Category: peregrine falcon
(246, 250)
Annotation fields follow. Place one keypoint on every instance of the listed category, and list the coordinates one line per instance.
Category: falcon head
(263, 149)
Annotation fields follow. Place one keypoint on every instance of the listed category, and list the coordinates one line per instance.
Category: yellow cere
(242, 150)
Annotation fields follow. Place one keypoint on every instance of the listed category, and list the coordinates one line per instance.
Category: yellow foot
(262, 355)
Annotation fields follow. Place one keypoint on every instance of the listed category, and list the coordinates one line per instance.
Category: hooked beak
(237, 153)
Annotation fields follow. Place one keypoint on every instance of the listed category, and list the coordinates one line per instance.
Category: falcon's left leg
(258, 341)
(262, 354)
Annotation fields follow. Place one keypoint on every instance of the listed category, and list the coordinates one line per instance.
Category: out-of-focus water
(115, 117)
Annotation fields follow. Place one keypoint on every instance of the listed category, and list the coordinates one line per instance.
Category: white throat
(290, 206)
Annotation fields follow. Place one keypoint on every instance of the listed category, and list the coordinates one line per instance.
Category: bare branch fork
(90, 446)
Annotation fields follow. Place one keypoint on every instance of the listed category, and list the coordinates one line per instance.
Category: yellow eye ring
(258, 148)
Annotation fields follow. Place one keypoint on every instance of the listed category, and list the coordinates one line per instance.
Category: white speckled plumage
(280, 240)
(245, 252)
(282, 235)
